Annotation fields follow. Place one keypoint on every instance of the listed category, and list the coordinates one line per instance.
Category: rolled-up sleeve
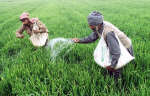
(20, 30)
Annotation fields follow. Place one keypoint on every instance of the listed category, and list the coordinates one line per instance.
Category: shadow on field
(1, 68)
(124, 83)
(12, 51)
(6, 88)
(1, 45)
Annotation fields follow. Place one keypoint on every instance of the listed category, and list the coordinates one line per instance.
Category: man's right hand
(76, 40)
(19, 36)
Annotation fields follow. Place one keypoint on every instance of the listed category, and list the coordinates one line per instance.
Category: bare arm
(19, 32)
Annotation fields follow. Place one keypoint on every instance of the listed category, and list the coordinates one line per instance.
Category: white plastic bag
(38, 39)
(103, 58)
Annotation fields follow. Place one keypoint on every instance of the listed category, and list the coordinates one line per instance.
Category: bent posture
(35, 28)
(109, 31)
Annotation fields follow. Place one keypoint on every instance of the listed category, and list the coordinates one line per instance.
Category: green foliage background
(26, 71)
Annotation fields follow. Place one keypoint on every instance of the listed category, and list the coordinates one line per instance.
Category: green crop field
(29, 71)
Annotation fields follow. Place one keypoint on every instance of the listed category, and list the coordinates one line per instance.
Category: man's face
(25, 21)
(94, 27)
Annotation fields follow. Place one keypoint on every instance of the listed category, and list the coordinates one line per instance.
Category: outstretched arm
(91, 38)
(19, 32)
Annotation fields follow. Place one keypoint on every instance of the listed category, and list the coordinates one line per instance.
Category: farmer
(34, 28)
(99, 26)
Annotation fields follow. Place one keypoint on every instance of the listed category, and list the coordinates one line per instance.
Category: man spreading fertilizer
(35, 28)
(39, 35)
(112, 36)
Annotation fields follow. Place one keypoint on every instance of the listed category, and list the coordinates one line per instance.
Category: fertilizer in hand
(57, 45)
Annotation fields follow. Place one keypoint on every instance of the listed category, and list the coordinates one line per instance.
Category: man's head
(95, 20)
(25, 18)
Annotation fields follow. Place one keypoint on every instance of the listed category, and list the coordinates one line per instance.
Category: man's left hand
(110, 68)
(36, 31)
